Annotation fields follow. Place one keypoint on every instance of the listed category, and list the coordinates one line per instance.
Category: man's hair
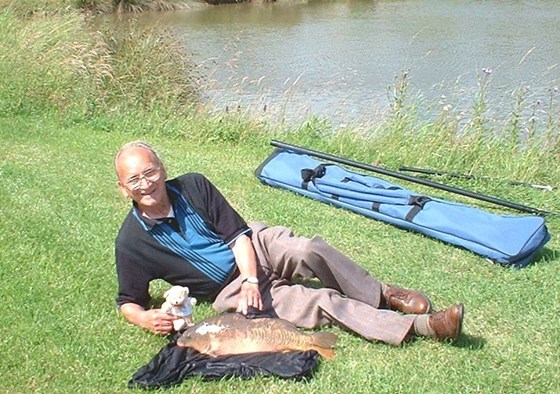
(138, 144)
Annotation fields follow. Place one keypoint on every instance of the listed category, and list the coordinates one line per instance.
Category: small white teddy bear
(178, 303)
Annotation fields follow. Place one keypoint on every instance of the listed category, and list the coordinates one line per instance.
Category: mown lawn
(60, 332)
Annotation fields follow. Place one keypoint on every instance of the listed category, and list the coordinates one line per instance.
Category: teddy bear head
(176, 295)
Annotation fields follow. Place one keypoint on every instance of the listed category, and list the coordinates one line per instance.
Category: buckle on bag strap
(308, 175)
(417, 203)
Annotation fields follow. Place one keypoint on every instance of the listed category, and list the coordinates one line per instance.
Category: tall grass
(132, 78)
(59, 63)
(470, 143)
(50, 7)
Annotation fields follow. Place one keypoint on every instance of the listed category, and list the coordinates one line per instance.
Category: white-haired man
(183, 231)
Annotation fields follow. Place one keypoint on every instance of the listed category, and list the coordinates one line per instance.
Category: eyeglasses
(151, 175)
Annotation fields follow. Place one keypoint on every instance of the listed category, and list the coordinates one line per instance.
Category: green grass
(61, 123)
(61, 333)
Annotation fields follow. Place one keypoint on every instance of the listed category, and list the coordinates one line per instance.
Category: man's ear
(123, 189)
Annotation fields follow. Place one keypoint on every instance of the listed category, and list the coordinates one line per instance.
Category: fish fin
(323, 342)
(326, 353)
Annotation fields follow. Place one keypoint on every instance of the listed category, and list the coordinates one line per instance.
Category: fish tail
(323, 343)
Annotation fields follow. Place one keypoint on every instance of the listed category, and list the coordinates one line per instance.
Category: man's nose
(142, 180)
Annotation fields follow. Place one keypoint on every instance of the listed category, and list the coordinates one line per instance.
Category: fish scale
(270, 334)
(233, 333)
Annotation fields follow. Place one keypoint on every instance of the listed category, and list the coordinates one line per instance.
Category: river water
(338, 59)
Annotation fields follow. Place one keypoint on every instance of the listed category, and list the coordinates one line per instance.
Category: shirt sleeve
(133, 281)
(214, 208)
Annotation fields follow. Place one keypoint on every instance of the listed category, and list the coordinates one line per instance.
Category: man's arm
(154, 320)
(246, 261)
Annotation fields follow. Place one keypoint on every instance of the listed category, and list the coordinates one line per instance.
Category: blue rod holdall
(511, 240)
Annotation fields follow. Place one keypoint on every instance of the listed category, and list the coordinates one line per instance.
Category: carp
(233, 333)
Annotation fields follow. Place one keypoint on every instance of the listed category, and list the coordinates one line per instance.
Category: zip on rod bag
(511, 240)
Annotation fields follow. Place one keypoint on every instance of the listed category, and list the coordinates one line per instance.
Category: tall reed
(50, 7)
(58, 63)
(144, 80)
(465, 140)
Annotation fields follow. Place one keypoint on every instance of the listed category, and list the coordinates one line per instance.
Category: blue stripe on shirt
(196, 243)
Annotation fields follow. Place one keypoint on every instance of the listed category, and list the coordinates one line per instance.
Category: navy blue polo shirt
(192, 249)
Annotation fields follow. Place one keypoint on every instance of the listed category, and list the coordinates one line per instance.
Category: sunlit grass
(61, 211)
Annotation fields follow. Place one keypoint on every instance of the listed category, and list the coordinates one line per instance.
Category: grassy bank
(51, 7)
(63, 114)
(60, 214)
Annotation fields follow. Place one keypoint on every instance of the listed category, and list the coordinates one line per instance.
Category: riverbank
(139, 79)
(50, 7)
(69, 99)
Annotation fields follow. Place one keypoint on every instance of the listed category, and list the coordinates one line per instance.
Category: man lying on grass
(183, 231)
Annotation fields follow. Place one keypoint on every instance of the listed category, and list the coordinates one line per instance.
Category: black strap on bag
(417, 203)
(308, 174)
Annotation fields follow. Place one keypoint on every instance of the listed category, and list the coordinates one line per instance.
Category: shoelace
(398, 294)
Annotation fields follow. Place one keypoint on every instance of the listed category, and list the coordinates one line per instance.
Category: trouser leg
(312, 308)
(291, 257)
(351, 297)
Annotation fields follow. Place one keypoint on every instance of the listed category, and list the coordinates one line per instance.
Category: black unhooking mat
(174, 363)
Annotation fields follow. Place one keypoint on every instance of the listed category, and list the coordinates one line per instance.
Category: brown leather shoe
(406, 301)
(447, 324)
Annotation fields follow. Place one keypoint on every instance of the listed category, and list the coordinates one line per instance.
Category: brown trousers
(287, 268)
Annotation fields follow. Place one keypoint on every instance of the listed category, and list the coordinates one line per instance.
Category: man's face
(141, 177)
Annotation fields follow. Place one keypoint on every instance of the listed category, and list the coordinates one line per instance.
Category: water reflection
(336, 59)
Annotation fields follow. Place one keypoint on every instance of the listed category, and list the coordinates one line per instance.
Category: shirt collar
(148, 223)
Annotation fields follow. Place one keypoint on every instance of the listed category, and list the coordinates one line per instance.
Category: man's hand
(157, 321)
(249, 297)
(246, 261)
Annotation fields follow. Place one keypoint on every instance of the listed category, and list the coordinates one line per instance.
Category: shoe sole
(461, 314)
